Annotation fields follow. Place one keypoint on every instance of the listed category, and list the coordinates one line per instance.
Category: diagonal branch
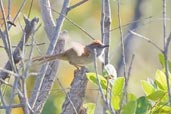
(29, 28)
(50, 51)
(146, 39)
(76, 5)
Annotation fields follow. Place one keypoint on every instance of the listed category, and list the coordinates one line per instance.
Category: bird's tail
(49, 58)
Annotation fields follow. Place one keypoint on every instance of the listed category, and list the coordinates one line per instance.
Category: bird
(78, 55)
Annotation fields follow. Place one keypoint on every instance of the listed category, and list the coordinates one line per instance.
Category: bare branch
(47, 17)
(50, 76)
(76, 5)
(76, 93)
(6, 39)
(105, 27)
(29, 28)
(105, 104)
(146, 39)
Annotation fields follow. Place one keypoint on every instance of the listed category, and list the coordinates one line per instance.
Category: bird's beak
(104, 46)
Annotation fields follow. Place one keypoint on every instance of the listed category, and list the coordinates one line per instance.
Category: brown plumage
(78, 55)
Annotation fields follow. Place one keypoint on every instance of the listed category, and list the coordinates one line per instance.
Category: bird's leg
(75, 65)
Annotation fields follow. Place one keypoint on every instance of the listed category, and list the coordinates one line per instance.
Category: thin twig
(63, 89)
(47, 6)
(77, 4)
(5, 82)
(37, 44)
(135, 21)
(129, 74)
(98, 80)
(9, 72)
(28, 30)
(78, 26)
(9, 9)
(13, 106)
(146, 39)
(6, 39)
(2, 99)
(19, 11)
(31, 5)
(122, 50)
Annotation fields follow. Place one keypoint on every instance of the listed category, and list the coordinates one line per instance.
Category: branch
(49, 78)
(76, 5)
(47, 17)
(29, 28)
(105, 27)
(146, 39)
(76, 93)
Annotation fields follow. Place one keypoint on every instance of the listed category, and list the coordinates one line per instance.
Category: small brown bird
(78, 55)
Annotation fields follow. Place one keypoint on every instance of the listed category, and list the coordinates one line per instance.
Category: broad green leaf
(159, 85)
(131, 97)
(116, 102)
(161, 79)
(156, 95)
(90, 107)
(129, 108)
(162, 61)
(142, 105)
(147, 87)
(161, 109)
(118, 86)
(92, 78)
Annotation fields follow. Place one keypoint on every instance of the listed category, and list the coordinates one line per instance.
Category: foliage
(155, 100)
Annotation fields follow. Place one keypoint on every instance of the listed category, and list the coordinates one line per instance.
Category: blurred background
(141, 16)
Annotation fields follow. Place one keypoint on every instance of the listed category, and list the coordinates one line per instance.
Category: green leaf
(161, 79)
(161, 59)
(147, 87)
(156, 95)
(90, 107)
(117, 90)
(131, 97)
(92, 78)
(129, 108)
(116, 102)
(118, 86)
(159, 85)
(161, 109)
(142, 105)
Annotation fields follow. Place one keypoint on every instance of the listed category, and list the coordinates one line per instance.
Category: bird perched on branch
(78, 55)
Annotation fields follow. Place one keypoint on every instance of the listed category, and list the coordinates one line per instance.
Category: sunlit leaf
(147, 87)
(162, 61)
(118, 86)
(116, 102)
(131, 97)
(92, 78)
(129, 108)
(156, 95)
(161, 79)
(161, 109)
(90, 107)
